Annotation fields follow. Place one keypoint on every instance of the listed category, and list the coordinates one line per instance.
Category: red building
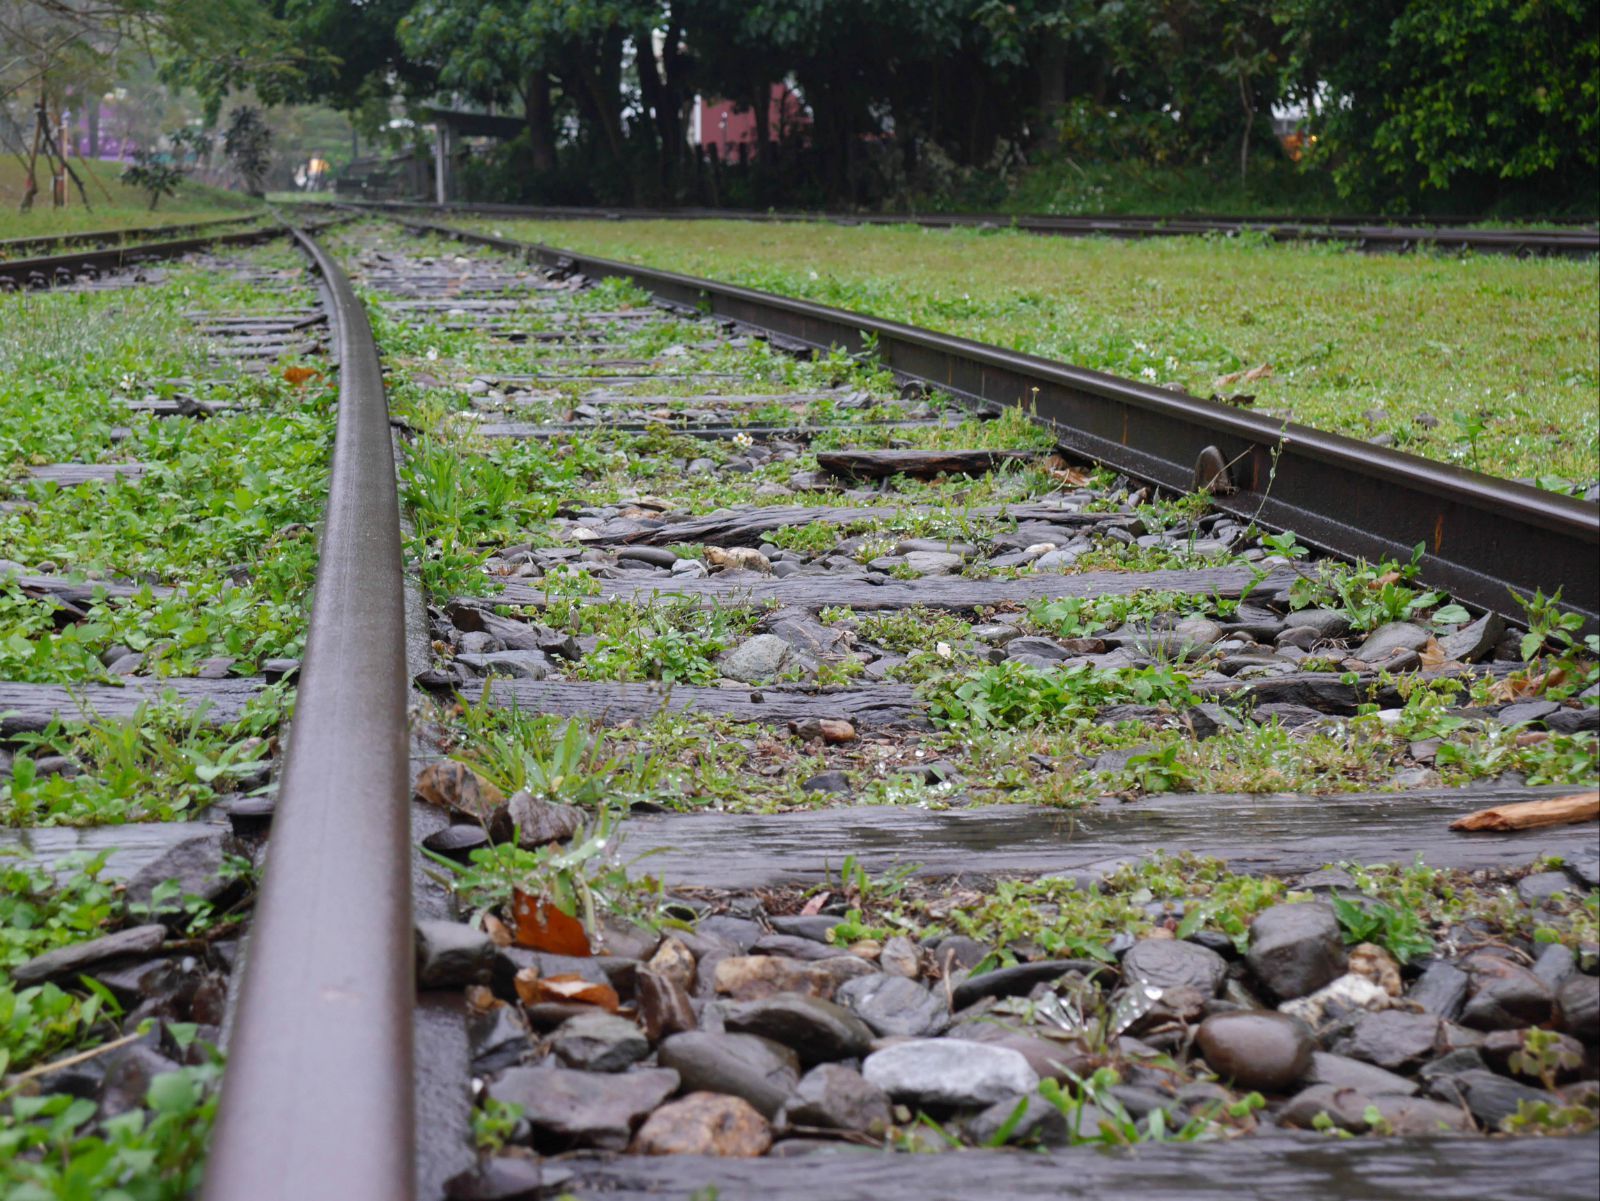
(722, 126)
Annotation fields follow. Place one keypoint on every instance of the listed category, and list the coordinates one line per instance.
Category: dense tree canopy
(1400, 102)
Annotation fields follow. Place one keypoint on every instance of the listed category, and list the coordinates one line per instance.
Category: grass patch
(127, 208)
(1485, 361)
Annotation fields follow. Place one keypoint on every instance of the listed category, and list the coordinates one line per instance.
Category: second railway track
(913, 712)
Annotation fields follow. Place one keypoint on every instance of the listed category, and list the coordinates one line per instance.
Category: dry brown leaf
(534, 989)
(815, 904)
(1532, 737)
(456, 787)
(1433, 656)
(300, 375)
(1530, 815)
(543, 927)
(499, 933)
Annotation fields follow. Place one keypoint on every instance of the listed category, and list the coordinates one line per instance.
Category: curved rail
(1366, 233)
(1483, 537)
(317, 1101)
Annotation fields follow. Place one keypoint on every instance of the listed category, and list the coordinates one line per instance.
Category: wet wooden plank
(130, 846)
(70, 475)
(934, 592)
(884, 705)
(77, 592)
(744, 527)
(1268, 1167)
(1272, 833)
(798, 433)
(723, 400)
(25, 707)
(921, 464)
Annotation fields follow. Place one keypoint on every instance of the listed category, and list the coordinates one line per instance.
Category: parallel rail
(45, 270)
(11, 246)
(1485, 539)
(1365, 233)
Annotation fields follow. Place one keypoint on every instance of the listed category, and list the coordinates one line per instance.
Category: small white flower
(1148, 373)
(813, 275)
(433, 354)
(943, 650)
(743, 440)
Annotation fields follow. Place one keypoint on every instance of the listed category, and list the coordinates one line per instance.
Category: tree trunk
(1248, 102)
(541, 132)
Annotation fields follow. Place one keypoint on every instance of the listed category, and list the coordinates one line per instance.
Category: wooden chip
(543, 927)
(299, 375)
(1529, 815)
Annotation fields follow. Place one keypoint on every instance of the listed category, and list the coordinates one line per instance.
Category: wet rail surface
(322, 1075)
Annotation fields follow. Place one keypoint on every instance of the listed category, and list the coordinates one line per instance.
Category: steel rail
(317, 1103)
(11, 245)
(52, 268)
(1580, 242)
(1483, 538)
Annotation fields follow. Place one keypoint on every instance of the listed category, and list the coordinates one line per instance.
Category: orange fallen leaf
(300, 375)
(456, 787)
(1433, 656)
(499, 933)
(815, 904)
(1530, 815)
(543, 927)
(534, 989)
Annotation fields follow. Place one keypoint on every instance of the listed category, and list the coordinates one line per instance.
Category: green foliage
(51, 1151)
(493, 1121)
(1016, 695)
(155, 173)
(1544, 1056)
(1397, 930)
(41, 910)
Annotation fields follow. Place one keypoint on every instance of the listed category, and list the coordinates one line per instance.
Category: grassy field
(1484, 361)
(126, 206)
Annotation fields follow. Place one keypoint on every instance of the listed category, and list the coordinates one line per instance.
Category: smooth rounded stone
(1198, 631)
(599, 1042)
(690, 569)
(792, 946)
(1505, 996)
(1039, 648)
(1328, 623)
(1163, 963)
(536, 821)
(894, 1005)
(1051, 1058)
(995, 634)
(197, 865)
(1341, 1071)
(1441, 989)
(1337, 999)
(901, 957)
(1489, 1096)
(1265, 1051)
(826, 781)
(737, 933)
(128, 1075)
(1346, 1108)
(674, 961)
(1419, 1117)
(959, 951)
(1392, 1038)
(1300, 637)
(451, 955)
(833, 1097)
(664, 1005)
(1041, 1122)
(751, 977)
(949, 1073)
(1389, 638)
(518, 665)
(1542, 886)
(812, 926)
(933, 562)
(763, 1072)
(1056, 560)
(1020, 979)
(457, 842)
(1503, 1047)
(506, 1178)
(818, 1031)
(656, 556)
(1295, 949)
(758, 660)
(592, 1109)
(1578, 1007)
(1556, 965)
(705, 1124)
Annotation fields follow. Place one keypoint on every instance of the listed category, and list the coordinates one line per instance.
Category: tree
(246, 142)
(157, 174)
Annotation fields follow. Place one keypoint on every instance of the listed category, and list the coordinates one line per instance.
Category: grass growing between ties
(1483, 361)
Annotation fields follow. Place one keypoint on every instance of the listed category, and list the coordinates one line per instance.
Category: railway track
(13, 247)
(1364, 233)
(854, 655)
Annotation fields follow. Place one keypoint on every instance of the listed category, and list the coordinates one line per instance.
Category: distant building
(723, 126)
